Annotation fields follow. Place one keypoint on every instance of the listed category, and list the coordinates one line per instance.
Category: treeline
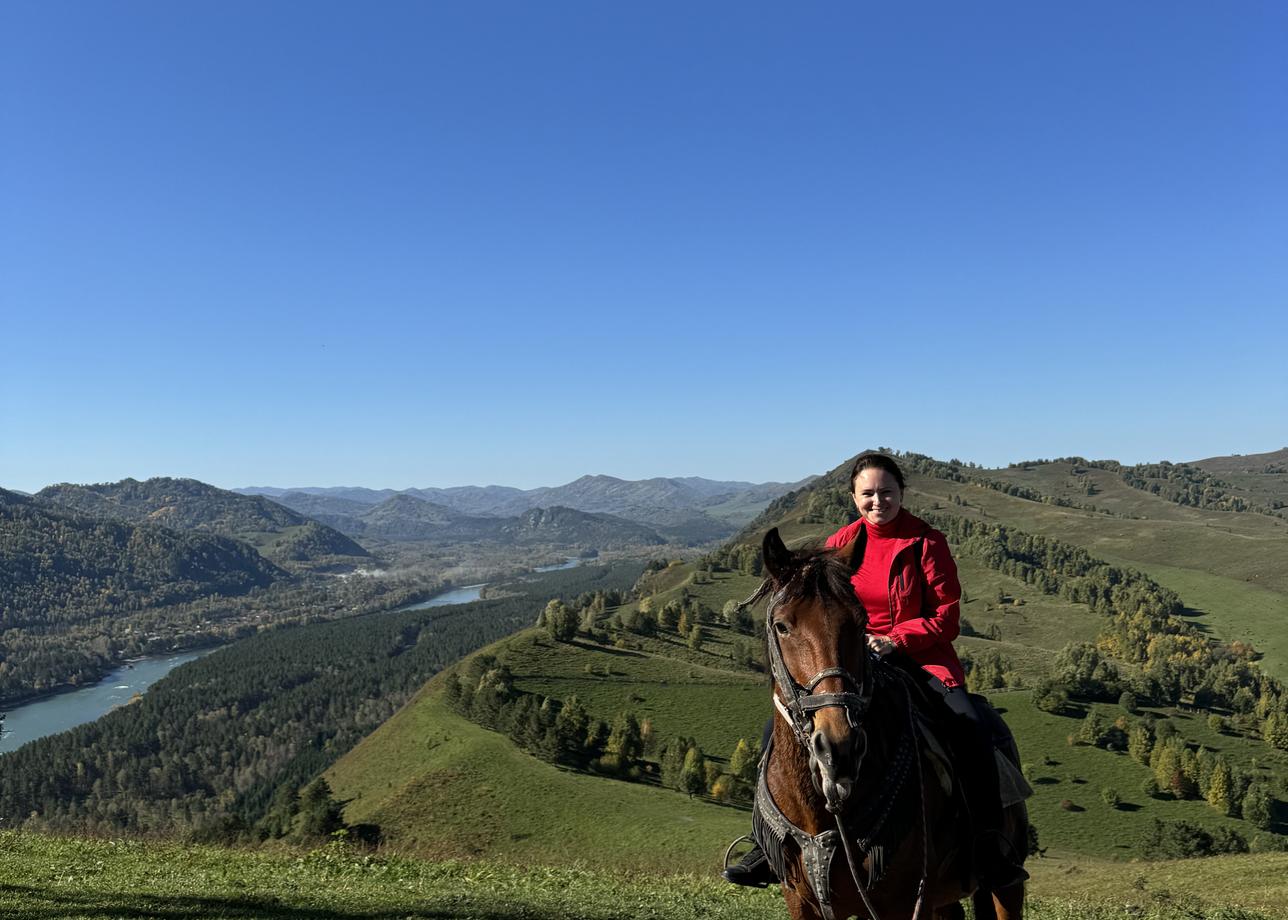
(211, 745)
(1193, 487)
(1182, 483)
(37, 659)
(564, 732)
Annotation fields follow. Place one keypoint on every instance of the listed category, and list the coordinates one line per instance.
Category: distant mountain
(281, 533)
(343, 493)
(57, 561)
(569, 526)
(685, 509)
(405, 518)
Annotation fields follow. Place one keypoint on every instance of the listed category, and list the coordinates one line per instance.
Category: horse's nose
(833, 763)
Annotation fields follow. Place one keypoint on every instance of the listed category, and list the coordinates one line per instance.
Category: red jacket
(925, 599)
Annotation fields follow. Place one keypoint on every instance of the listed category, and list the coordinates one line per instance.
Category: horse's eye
(781, 628)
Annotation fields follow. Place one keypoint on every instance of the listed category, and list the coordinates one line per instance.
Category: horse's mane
(815, 573)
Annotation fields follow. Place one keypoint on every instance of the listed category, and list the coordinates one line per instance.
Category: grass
(79, 879)
(1077, 774)
(440, 786)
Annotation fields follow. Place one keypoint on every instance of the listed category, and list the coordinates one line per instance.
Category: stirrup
(753, 870)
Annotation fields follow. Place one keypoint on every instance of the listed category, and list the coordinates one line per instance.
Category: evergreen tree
(320, 815)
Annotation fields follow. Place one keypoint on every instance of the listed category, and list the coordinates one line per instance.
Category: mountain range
(685, 509)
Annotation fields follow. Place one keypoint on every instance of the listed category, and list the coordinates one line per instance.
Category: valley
(373, 703)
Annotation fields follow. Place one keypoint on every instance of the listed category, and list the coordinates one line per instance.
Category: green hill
(1011, 610)
(78, 592)
(283, 535)
(440, 786)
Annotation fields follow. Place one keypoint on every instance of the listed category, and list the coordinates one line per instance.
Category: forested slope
(209, 746)
(187, 504)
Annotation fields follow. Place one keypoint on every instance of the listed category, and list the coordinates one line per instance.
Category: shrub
(1184, 839)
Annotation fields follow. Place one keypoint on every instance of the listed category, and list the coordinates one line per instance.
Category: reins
(819, 850)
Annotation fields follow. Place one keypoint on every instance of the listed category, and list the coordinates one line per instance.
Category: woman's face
(877, 496)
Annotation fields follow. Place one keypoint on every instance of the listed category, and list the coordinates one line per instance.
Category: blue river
(61, 711)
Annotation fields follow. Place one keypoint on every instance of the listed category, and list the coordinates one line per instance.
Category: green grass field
(1077, 774)
(77, 879)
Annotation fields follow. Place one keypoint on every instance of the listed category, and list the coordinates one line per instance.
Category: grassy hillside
(1227, 567)
(77, 879)
(707, 694)
(440, 786)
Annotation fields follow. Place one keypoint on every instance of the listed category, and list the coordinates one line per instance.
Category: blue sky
(431, 244)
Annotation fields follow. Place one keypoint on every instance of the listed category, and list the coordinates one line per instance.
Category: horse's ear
(778, 558)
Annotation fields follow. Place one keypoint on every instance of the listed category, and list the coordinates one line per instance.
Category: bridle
(798, 711)
(802, 701)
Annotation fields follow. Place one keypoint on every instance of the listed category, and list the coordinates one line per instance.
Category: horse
(848, 770)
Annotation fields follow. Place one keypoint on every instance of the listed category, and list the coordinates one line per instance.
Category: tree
(572, 727)
(1093, 729)
(695, 638)
(1219, 787)
(320, 815)
(1087, 674)
(672, 762)
(625, 743)
(1139, 744)
(693, 776)
(1275, 730)
(742, 764)
(1257, 807)
(1050, 697)
(561, 621)
(668, 616)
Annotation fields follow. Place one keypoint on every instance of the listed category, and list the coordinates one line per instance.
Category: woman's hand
(881, 645)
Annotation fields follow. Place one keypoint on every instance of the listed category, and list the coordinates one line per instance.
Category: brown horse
(847, 747)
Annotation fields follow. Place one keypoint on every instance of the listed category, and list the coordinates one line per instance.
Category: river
(62, 711)
(58, 713)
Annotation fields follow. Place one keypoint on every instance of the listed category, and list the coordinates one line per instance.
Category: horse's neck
(789, 773)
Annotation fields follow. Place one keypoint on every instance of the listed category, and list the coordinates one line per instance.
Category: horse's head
(818, 657)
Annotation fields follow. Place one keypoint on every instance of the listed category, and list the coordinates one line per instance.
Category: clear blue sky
(430, 243)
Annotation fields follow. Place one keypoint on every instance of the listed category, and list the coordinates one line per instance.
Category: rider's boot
(753, 870)
(997, 864)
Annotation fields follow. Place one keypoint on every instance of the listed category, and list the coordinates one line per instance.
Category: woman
(908, 584)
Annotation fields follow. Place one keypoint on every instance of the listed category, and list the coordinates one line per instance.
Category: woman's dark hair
(877, 461)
